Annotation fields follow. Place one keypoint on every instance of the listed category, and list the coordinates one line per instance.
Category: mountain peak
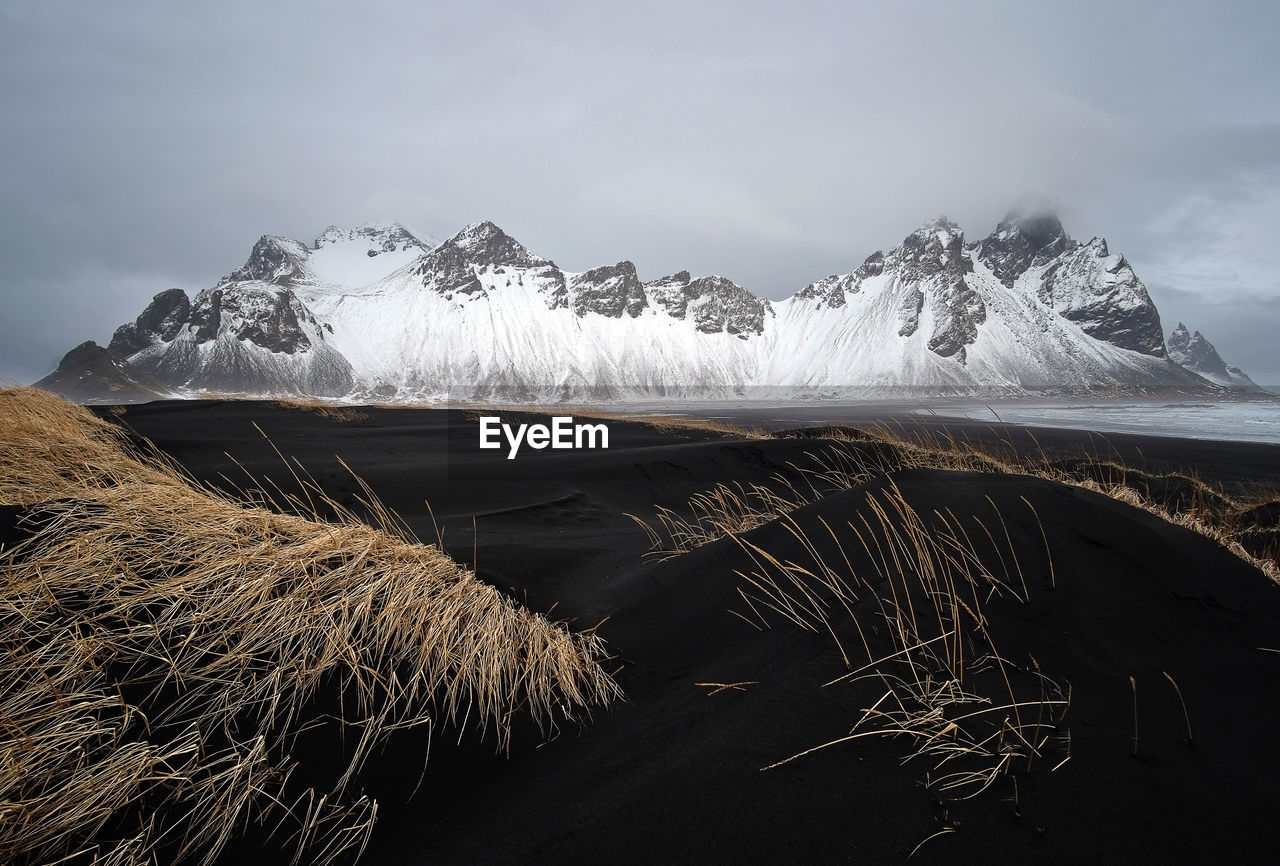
(610, 290)
(484, 243)
(939, 224)
(382, 236)
(478, 232)
(1197, 354)
(273, 259)
(453, 266)
(1023, 240)
(936, 246)
(481, 312)
(90, 373)
(1039, 227)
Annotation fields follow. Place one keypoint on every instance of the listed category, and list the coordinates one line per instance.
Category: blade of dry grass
(162, 646)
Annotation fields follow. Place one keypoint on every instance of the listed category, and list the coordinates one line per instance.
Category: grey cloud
(148, 145)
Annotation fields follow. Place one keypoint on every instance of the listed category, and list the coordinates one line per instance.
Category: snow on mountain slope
(354, 258)
(252, 337)
(375, 312)
(481, 317)
(1083, 283)
(930, 317)
(339, 259)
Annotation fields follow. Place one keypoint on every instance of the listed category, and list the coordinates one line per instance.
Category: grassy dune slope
(162, 647)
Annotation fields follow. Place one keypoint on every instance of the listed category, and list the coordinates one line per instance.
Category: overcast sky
(147, 145)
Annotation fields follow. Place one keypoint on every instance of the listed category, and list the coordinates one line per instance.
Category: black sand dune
(675, 772)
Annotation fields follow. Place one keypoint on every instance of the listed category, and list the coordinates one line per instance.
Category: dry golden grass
(946, 687)
(163, 646)
(878, 451)
(331, 411)
(726, 509)
(1177, 497)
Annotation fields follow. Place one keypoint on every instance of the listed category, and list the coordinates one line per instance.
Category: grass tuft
(162, 648)
(853, 456)
(946, 688)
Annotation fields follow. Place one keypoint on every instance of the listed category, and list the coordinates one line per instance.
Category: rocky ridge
(376, 311)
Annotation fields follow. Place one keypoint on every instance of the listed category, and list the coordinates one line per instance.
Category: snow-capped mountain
(1197, 354)
(377, 312)
(339, 259)
(1025, 309)
(480, 316)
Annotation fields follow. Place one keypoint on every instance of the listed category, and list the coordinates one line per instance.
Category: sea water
(1246, 420)
(1231, 420)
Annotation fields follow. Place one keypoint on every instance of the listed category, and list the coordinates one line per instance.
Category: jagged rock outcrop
(166, 315)
(1022, 242)
(830, 291)
(714, 304)
(375, 312)
(272, 260)
(719, 304)
(1197, 354)
(612, 290)
(456, 266)
(1100, 292)
(1083, 283)
(932, 266)
(240, 337)
(90, 373)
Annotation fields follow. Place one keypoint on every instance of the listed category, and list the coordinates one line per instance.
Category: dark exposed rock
(932, 265)
(716, 304)
(452, 267)
(163, 318)
(935, 248)
(91, 374)
(719, 304)
(872, 266)
(272, 260)
(670, 293)
(274, 327)
(206, 315)
(957, 312)
(266, 318)
(1021, 242)
(610, 291)
(829, 291)
(1101, 293)
(909, 311)
(1197, 354)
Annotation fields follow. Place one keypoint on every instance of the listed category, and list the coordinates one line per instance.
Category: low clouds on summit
(148, 145)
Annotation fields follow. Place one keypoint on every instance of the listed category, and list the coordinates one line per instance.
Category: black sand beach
(674, 773)
(1107, 605)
